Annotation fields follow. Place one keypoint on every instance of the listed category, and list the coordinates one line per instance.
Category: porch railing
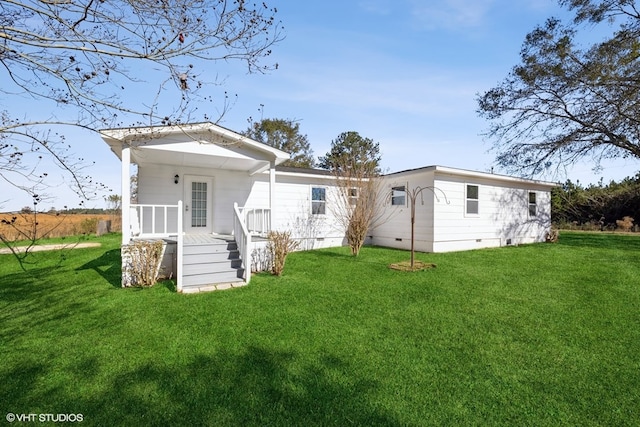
(257, 220)
(243, 240)
(162, 221)
(154, 220)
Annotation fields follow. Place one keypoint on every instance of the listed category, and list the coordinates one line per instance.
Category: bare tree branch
(564, 103)
(86, 63)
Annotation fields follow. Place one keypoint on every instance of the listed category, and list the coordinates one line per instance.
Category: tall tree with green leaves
(566, 102)
(352, 151)
(284, 134)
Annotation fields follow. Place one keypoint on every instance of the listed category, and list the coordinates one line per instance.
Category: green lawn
(544, 334)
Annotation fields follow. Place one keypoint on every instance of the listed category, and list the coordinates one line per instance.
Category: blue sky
(404, 73)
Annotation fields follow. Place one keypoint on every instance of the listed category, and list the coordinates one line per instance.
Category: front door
(198, 204)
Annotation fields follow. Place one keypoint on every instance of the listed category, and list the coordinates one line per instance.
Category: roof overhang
(448, 171)
(204, 145)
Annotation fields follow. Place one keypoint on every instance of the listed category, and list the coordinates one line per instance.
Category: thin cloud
(464, 15)
(450, 14)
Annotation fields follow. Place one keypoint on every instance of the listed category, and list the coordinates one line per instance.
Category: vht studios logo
(43, 418)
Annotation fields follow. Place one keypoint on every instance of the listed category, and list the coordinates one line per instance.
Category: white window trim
(405, 195)
(353, 200)
(326, 192)
(529, 204)
(466, 199)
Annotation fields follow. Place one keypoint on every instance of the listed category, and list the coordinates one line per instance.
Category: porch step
(211, 265)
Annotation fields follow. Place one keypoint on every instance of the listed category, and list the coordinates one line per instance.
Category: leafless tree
(569, 99)
(90, 59)
(413, 194)
(92, 64)
(355, 162)
(358, 209)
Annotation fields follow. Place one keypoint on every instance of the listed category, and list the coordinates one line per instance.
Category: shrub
(625, 224)
(141, 263)
(280, 244)
(89, 225)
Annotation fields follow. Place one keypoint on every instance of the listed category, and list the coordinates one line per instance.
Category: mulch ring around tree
(417, 266)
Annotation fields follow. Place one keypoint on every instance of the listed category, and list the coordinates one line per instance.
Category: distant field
(17, 226)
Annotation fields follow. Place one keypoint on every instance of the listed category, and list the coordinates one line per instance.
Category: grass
(544, 334)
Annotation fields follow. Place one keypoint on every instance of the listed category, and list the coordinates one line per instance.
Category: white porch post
(126, 193)
(272, 193)
(179, 248)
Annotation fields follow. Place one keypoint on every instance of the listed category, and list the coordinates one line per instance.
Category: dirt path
(57, 247)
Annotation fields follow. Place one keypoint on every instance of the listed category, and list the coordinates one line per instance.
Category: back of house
(457, 209)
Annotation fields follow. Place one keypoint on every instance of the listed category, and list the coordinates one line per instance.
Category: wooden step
(234, 275)
(208, 265)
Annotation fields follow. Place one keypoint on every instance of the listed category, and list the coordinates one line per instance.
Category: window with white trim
(398, 196)
(353, 196)
(533, 205)
(318, 200)
(472, 200)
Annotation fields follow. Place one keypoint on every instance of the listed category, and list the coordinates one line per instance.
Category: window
(318, 200)
(353, 196)
(398, 196)
(198, 204)
(533, 206)
(472, 200)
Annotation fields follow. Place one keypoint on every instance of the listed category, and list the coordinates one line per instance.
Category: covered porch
(196, 179)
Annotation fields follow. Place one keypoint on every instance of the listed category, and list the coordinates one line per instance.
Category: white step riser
(210, 279)
(207, 258)
(208, 249)
(209, 264)
(211, 267)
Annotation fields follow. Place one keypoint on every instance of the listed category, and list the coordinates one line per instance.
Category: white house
(213, 194)
(459, 209)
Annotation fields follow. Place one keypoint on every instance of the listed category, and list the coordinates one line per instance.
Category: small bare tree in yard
(279, 246)
(358, 209)
(25, 228)
(413, 198)
(355, 161)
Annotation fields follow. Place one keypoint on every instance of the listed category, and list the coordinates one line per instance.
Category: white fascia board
(305, 175)
(279, 155)
(116, 137)
(491, 176)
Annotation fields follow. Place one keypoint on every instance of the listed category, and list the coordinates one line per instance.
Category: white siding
(394, 228)
(502, 219)
(293, 211)
(258, 194)
(442, 223)
(156, 186)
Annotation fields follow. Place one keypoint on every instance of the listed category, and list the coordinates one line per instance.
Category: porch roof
(196, 145)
